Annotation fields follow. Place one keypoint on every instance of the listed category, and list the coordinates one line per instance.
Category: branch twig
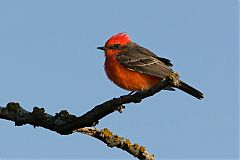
(111, 140)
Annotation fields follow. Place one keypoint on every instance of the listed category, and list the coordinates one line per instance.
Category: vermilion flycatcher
(135, 68)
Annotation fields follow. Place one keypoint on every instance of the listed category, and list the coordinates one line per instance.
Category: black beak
(101, 48)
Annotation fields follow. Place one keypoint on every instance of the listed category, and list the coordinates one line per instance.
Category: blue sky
(48, 58)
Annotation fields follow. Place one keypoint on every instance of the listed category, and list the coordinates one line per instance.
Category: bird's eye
(116, 45)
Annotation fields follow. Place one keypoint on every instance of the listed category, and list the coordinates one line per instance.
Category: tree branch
(65, 123)
(111, 140)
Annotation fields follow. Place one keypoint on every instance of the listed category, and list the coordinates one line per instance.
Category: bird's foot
(131, 93)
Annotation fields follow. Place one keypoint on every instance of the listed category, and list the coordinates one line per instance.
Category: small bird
(136, 68)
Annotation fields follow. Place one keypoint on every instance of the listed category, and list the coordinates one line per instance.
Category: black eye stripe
(115, 46)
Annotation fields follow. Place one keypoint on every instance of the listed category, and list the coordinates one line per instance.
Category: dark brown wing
(165, 61)
(140, 59)
(148, 52)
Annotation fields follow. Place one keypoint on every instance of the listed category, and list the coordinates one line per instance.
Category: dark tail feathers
(190, 90)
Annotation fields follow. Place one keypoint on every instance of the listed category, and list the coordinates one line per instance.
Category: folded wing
(144, 61)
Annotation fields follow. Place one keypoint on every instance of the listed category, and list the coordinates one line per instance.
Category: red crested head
(120, 38)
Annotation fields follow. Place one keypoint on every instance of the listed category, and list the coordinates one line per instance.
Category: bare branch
(65, 123)
(111, 140)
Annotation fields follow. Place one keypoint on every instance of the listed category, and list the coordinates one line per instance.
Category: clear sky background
(48, 58)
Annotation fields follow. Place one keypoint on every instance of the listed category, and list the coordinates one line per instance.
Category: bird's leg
(174, 79)
(131, 93)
